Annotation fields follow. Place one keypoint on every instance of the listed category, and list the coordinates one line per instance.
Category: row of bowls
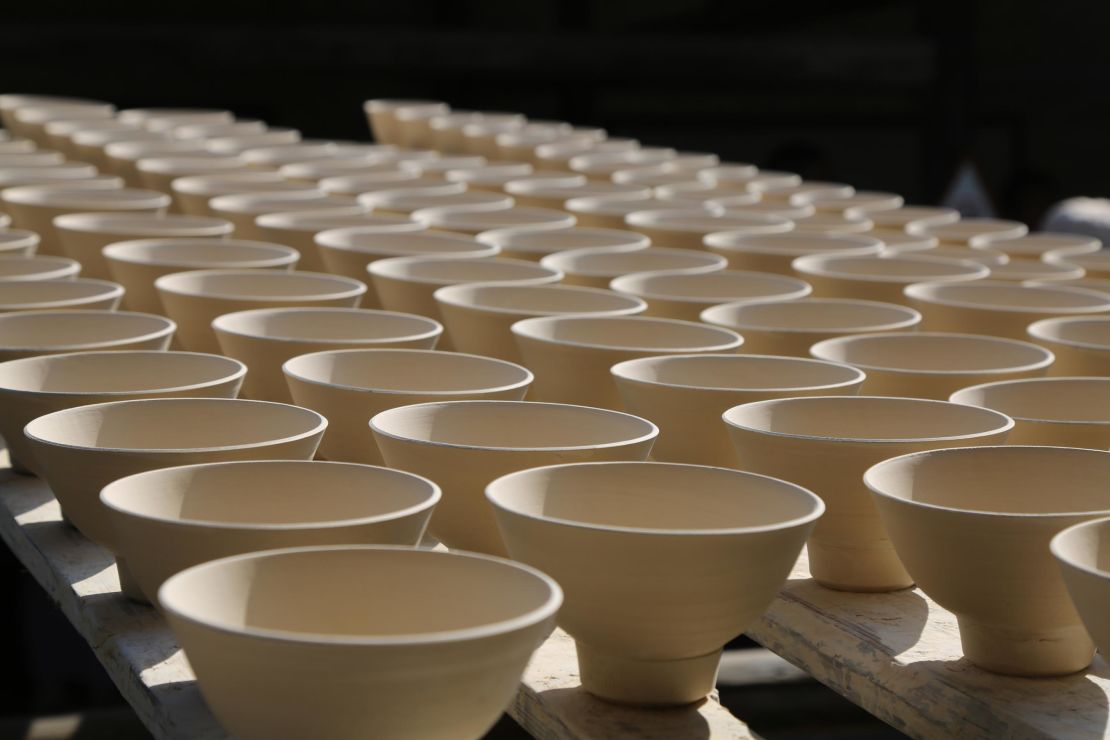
(546, 520)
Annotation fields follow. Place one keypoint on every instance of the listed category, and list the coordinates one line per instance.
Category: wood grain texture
(898, 656)
(140, 654)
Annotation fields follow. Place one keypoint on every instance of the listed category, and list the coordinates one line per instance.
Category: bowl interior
(653, 496)
(1044, 399)
(198, 252)
(326, 324)
(512, 425)
(562, 239)
(364, 592)
(1009, 297)
(871, 418)
(740, 372)
(116, 372)
(536, 299)
(1092, 332)
(813, 314)
(403, 371)
(1086, 545)
(31, 292)
(373, 241)
(290, 492)
(627, 332)
(447, 271)
(1019, 480)
(893, 268)
(716, 286)
(611, 263)
(175, 424)
(791, 244)
(925, 352)
(76, 328)
(259, 284)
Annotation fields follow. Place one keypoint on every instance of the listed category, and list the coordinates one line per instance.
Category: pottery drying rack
(896, 655)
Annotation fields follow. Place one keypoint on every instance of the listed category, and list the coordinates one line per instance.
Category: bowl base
(647, 682)
(127, 583)
(1023, 652)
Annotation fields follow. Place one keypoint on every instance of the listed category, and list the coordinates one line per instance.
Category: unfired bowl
(31, 333)
(458, 626)
(471, 222)
(192, 194)
(687, 228)
(966, 230)
(685, 395)
(1081, 553)
(1081, 344)
(80, 450)
(138, 264)
(933, 364)
(34, 386)
(381, 116)
(880, 278)
(18, 243)
(997, 308)
(194, 299)
(973, 528)
(37, 267)
(535, 245)
(1036, 245)
(1094, 264)
(596, 268)
(84, 236)
(242, 209)
(898, 219)
(571, 355)
(298, 229)
(776, 252)
(610, 212)
(839, 438)
(683, 295)
(350, 387)
(265, 338)
(626, 538)
(59, 293)
(478, 316)
(791, 327)
(1017, 271)
(166, 520)
(549, 194)
(463, 445)
(1062, 412)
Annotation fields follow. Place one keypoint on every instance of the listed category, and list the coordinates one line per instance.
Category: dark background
(883, 94)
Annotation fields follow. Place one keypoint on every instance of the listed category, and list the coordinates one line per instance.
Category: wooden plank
(140, 654)
(898, 656)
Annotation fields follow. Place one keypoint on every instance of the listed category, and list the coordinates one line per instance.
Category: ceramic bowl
(1081, 344)
(158, 173)
(965, 230)
(776, 252)
(997, 308)
(535, 245)
(1063, 412)
(238, 127)
(596, 268)
(381, 116)
(195, 298)
(409, 283)
(612, 534)
(313, 171)
(405, 201)
(243, 208)
(478, 441)
(264, 339)
(156, 119)
(1102, 285)
(900, 241)
(69, 175)
(59, 133)
(192, 514)
(298, 229)
(31, 333)
(349, 251)
(687, 228)
(801, 192)
(1018, 271)
(571, 355)
(10, 103)
(840, 438)
(898, 219)
(600, 165)
(832, 223)
(138, 264)
(370, 182)
(471, 223)
(490, 176)
(557, 154)
(981, 255)
(685, 395)
(39, 158)
(973, 528)
(37, 267)
(683, 295)
(881, 278)
(83, 236)
(80, 450)
(35, 207)
(276, 157)
(610, 212)
(237, 144)
(478, 316)
(18, 243)
(34, 386)
(192, 194)
(1036, 245)
(860, 202)
(121, 157)
(1080, 551)
(459, 626)
(933, 364)
(790, 328)
(61, 293)
(350, 387)
(1094, 264)
(544, 193)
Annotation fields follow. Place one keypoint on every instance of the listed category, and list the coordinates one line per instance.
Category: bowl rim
(949, 229)
(522, 329)
(709, 260)
(818, 505)
(447, 296)
(434, 328)
(123, 251)
(50, 267)
(854, 244)
(169, 326)
(288, 372)
(920, 291)
(869, 475)
(729, 419)
(167, 224)
(657, 218)
(619, 371)
(1043, 363)
(240, 370)
(38, 196)
(382, 268)
(1056, 547)
(506, 238)
(303, 221)
(912, 318)
(354, 289)
(814, 265)
(433, 494)
(531, 618)
(108, 291)
(651, 433)
(801, 288)
(1036, 330)
(1035, 381)
(318, 429)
